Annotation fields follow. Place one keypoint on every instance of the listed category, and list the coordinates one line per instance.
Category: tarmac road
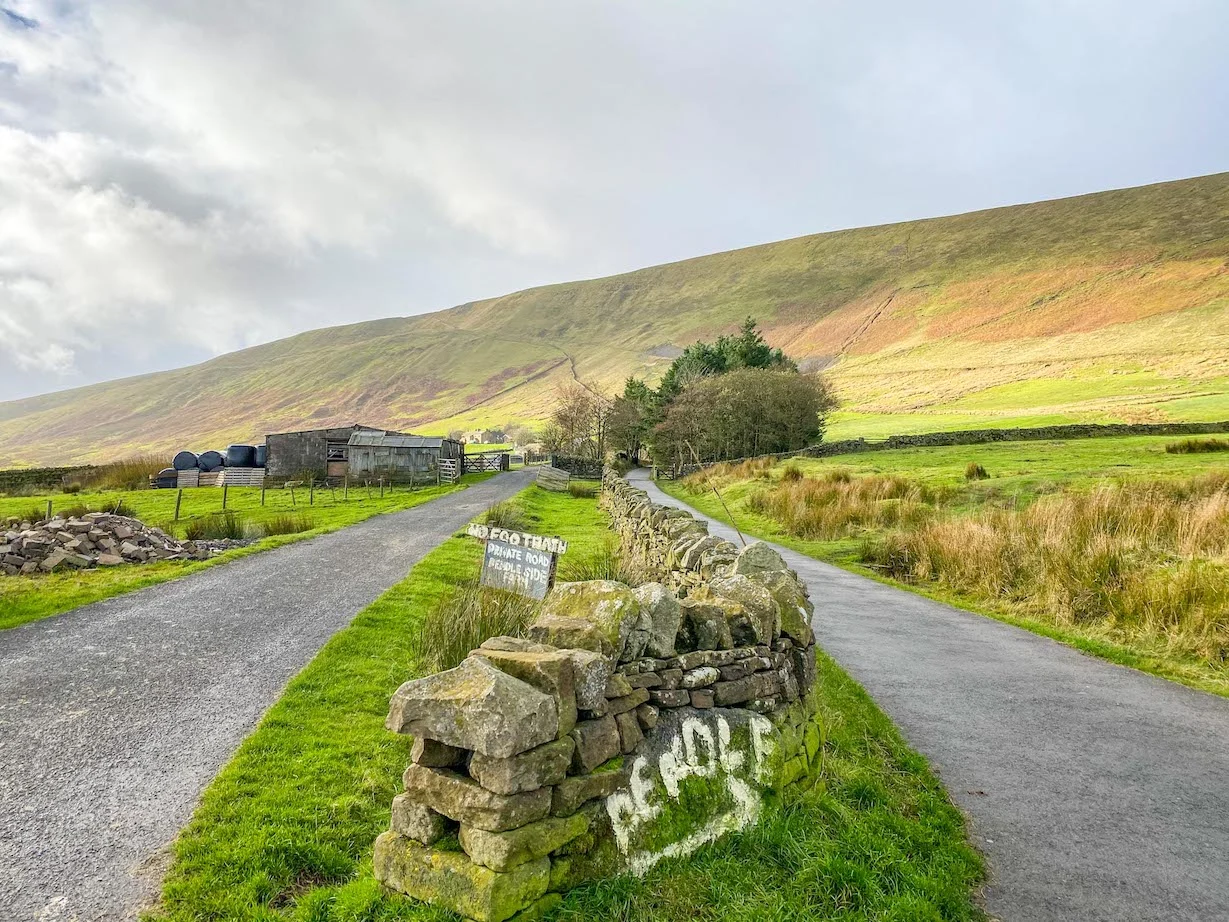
(1096, 792)
(114, 716)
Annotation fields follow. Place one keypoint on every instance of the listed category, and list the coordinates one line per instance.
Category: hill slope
(1111, 306)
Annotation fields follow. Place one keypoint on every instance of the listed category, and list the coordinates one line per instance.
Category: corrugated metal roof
(394, 440)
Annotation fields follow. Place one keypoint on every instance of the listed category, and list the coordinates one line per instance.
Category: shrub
(506, 514)
(218, 526)
(33, 514)
(71, 488)
(1195, 446)
(465, 617)
(582, 489)
(286, 523)
(975, 471)
(604, 563)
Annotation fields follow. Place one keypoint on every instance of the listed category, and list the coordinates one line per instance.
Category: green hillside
(1111, 306)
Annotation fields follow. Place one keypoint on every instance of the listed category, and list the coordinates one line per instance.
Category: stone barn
(399, 457)
(313, 453)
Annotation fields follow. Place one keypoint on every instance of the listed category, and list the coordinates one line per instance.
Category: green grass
(285, 831)
(1019, 472)
(28, 598)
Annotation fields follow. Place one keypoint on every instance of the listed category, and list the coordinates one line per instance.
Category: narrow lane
(1097, 793)
(114, 716)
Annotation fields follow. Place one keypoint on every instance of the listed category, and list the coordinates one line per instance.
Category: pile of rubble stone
(96, 539)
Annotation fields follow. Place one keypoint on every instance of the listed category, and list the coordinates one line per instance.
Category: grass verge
(285, 831)
(29, 598)
(1031, 477)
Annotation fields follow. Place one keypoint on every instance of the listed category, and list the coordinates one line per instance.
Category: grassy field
(285, 831)
(1113, 545)
(1112, 306)
(27, 598)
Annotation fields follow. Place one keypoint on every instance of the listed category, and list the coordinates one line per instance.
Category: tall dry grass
(125, 474)
(467, 616)
(837, 503)
(1138, 559)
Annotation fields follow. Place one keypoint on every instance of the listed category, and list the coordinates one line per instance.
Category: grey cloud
(279, 167)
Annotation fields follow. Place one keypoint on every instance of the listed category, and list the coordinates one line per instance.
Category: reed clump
(1142, 559)
(837, 504)
(463, 618)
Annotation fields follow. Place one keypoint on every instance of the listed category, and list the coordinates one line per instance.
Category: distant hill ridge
(1106, 307)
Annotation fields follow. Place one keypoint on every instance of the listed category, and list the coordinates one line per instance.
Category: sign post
(516, 561)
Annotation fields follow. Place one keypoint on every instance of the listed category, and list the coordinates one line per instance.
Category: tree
(746, 412)
(578, 426)
(632, 417)
(700, 360)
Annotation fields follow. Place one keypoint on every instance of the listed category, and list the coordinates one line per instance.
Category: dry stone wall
(629, 725)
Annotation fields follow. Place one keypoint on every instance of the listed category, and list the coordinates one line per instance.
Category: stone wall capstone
(630, 724)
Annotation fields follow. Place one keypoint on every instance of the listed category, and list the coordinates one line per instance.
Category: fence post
(381, 488)
(262, 491)
(48, 510)
(225, 487)
(178, 500)
(292, 502)
(311, 492)
(345, 490)
(368, 489)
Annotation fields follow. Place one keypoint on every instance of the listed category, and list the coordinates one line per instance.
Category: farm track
(1095, 792)
(114, 716)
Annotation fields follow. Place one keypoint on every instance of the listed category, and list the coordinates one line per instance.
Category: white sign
(518, 538)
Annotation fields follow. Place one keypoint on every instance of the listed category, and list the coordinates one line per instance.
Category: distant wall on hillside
(982, 437)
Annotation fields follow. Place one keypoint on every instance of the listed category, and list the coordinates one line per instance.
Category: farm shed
(318, 453)
(396, 456)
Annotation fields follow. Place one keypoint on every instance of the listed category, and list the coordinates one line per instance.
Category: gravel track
(1096, 792)
(114, 716)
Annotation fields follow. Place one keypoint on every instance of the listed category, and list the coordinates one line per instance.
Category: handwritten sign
(516, 561)
(518, 538)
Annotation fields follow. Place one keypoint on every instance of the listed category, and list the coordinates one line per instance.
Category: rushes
(1144, 559)
(465, 617)
(220, 525)
(506, 514)
(604, 563)
(837, 504)
(1195, 446)
(286, 523)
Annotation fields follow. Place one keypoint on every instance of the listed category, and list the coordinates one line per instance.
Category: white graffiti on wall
(697, 750)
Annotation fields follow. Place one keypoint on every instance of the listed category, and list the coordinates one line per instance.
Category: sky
(181, 179)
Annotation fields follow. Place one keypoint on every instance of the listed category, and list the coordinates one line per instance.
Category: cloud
(179, 179)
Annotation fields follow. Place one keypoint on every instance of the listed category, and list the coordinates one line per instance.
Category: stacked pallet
(242, 476)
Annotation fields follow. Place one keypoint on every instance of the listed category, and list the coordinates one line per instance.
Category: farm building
(397, 456)
(318, 453)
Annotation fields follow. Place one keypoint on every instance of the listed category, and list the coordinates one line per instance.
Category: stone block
(727, 694)
(645, 680)
(758, 557)
(637, 697)
(618, 686)
(570, 794)
(597, 741)
(758, 622)
(539, 767)
(664, 616)
(435, 754)
(475, 706)
(418, 821)
(671, 678)
(630, 733)
(796, 609)
(549, 672)
(452, 881)
(700, 677)
(676, 698)
(540, 908)
(569, 633)
(463, 799)
(609, 606)
(704, 625)
(503, 851)
(702, 698)
(647, 715)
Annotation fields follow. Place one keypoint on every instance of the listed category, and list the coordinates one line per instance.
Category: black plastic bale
(210, 461)
(241, 456)
(262, 455)
(185, 461)
(167, 478)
